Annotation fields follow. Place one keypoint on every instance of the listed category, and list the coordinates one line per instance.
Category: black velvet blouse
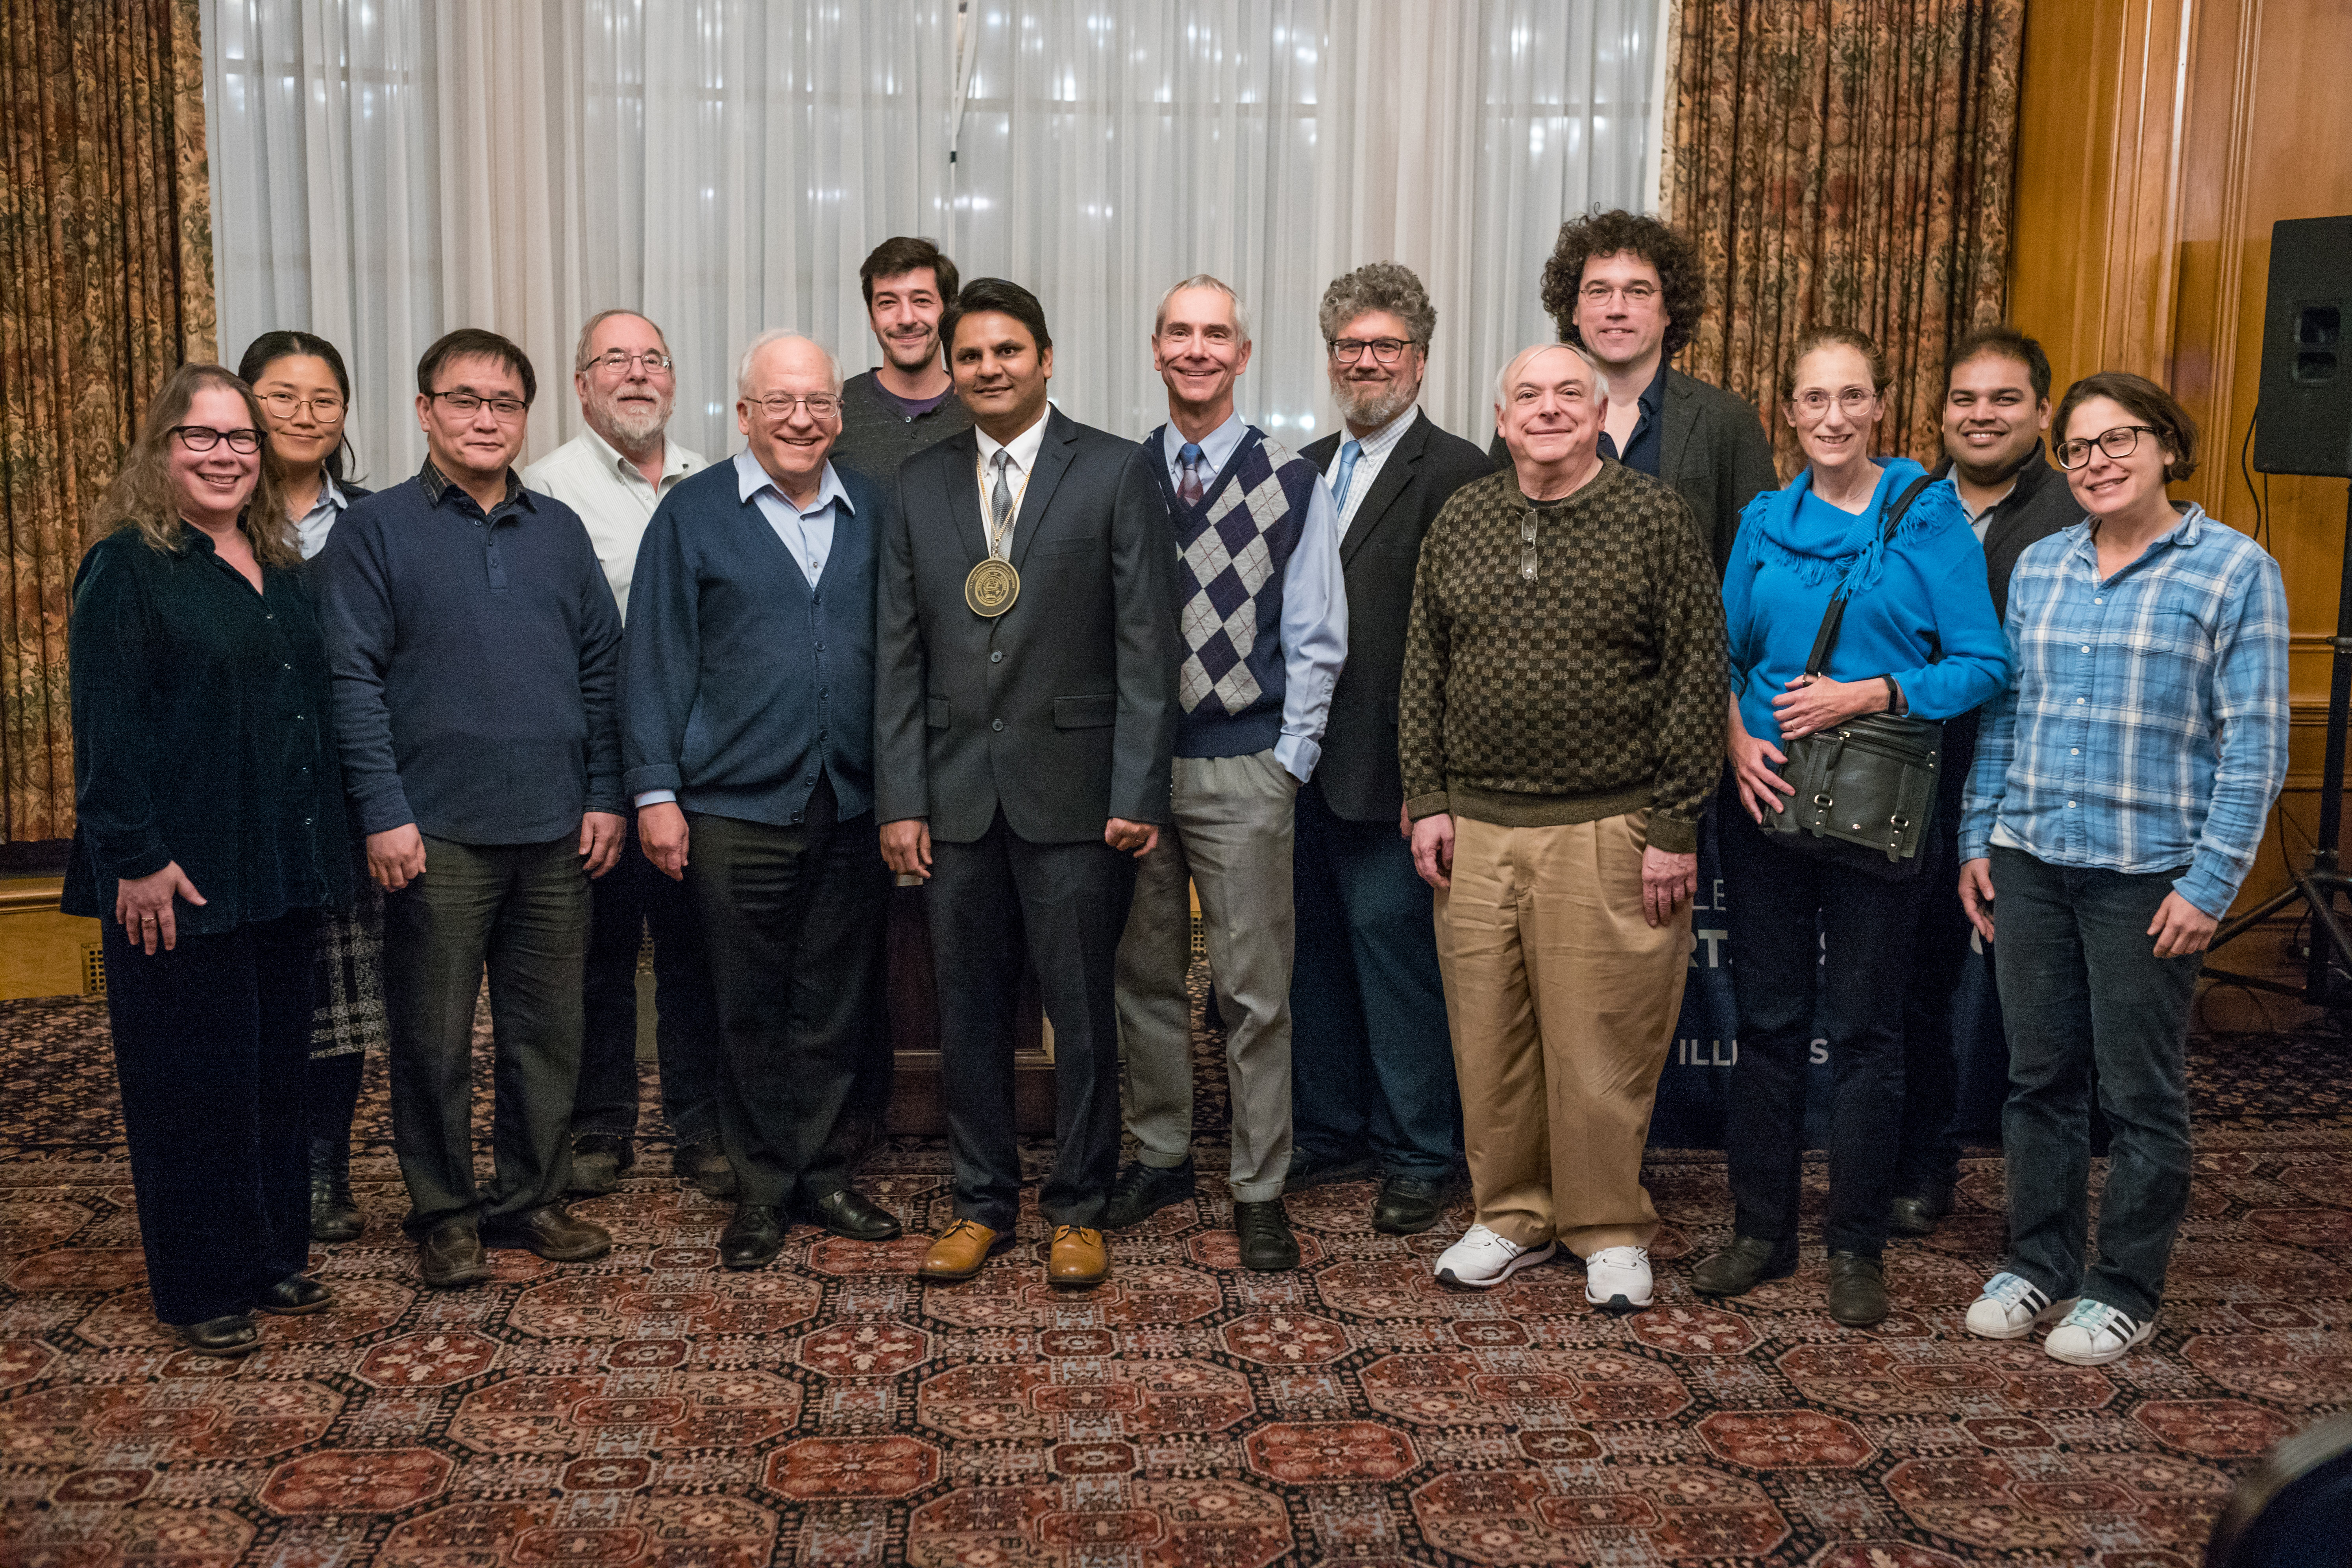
(203, 735)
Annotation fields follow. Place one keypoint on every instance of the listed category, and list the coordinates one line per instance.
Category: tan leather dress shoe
(1079, 1258)
(959, 1252)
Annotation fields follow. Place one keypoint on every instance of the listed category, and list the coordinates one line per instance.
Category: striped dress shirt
(2147, 727)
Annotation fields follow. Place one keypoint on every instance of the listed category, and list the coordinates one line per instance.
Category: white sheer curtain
(384, 170)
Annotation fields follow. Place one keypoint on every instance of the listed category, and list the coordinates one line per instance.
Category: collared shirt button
(2087, 648)
(2075, 750)
(996, 655)
(2070, 805)
(996, 723)
(2080, 700)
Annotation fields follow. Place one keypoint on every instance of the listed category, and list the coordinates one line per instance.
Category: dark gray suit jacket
(1714, 451)
(1062, 710)
(1358, 773)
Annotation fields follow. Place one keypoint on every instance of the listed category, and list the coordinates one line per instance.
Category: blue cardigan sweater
(1926, 619)
(739, 681)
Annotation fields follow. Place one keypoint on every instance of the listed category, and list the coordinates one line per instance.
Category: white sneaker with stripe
(2094, 1333)
(2011, 1308)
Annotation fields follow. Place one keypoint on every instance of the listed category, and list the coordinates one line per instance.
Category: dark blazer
(1715, 451)
(1061, 711)
(1358, 773)
(2041, 504)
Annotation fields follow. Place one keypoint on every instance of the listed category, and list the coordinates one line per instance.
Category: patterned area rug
(651, 1408)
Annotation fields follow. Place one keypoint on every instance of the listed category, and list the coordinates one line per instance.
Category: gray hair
(1203, 280)
(1378, 285)
(778, 335)
(1503, 377)
(580, 354)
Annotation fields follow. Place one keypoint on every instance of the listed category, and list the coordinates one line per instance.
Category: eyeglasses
(619, 361)
(326, 405)
(1815, 403)
(1528, 546)
(204, 438)
(820, 405)
(469, 402)
(2120, 442)
(1601, 293)
(1386, 351)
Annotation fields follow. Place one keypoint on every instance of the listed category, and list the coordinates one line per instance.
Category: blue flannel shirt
(2147, 726)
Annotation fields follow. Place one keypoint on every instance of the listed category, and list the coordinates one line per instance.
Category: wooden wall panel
(2158, 141)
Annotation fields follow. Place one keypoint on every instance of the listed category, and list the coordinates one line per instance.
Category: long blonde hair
(143, 497)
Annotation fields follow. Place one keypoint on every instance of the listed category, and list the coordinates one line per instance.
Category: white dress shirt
(1376, 449)
(1313, 603)
(1023, 452)
(807, 531)
(310, 529)
(611, 496)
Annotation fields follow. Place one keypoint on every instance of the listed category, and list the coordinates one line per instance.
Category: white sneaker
(2095, 1334)
(1617, 1278)
(2011, 1308)
(1482, 1261)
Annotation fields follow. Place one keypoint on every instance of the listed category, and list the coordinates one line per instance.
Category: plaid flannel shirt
(2146, 725)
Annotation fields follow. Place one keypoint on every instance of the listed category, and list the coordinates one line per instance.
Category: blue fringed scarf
(1851, 557)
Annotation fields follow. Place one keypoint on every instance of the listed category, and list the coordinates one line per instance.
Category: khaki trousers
(1562, 1002)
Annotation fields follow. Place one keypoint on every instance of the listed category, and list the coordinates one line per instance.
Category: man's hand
(1404, 821)
(1433, 849)
(1976, 895)
(2181, 928)
(395, 857)
(1135, 838)
(601, 834)
(143, 906)
(661, 834)
(1668, 882)
(906, 847)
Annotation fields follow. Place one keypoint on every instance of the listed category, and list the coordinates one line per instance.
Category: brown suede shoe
(554, 1232)
(959, 1252)
(1080, 1257)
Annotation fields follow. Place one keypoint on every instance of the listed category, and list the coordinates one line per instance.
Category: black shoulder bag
(1865, 789)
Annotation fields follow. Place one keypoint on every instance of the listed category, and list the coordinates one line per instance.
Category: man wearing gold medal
(1025, 712)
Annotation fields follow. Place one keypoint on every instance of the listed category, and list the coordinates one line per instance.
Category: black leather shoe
(1265, 1230)
(554, 1232)
(753, 1237)
(296, 1294)
(450, 1254)
(1142, 1191)
(233, 1333)
(1408, 1205)
(333, 1215)
(851, 1212)
(1857, 1290)
(1918, 1215)
(1738, 1268)
(599, 1161)
(702, 1162)
(1311, 1170)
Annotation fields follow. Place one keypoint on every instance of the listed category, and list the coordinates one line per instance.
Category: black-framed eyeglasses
(470, 403)
(2120, 442)
(820, 405)
(619, 361)
(204, 438)
(324, 406)
(1385, 351)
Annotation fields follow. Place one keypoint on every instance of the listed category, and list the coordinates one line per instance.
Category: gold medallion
(992, 588)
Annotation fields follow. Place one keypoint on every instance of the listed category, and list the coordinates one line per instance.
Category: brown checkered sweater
(1594, 690)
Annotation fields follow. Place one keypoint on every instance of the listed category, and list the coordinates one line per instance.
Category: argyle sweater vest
(1235, 545)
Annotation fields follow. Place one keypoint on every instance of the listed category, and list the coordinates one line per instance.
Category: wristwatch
(1894, 703)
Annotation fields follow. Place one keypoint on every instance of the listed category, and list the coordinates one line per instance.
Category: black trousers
(791, 921)
(623, 902)
(1065, 906)
(210, 1039)
(1928, 1157)
(1848, 978)
(521, 909)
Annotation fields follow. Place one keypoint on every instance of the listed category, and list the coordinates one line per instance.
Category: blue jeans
(1371, 1062)
(2081, 990)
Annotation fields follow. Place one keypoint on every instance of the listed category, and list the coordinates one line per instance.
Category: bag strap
(1835, 614)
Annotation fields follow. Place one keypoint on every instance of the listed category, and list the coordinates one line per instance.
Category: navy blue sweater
(739, 683)
(474, 660)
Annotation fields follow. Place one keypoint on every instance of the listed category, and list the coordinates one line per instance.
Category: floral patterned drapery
(1845, 163)
(105, 285)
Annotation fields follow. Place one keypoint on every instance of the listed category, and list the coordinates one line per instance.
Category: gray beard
(1372, 410)
(631, 432)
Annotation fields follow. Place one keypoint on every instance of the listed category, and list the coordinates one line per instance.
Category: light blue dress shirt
(806, 533)
(1314, 605)
(310, 529)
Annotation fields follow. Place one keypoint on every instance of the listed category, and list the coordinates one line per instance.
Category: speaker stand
(2327, 972)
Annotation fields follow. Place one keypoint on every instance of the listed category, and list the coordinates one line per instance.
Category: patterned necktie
(1191, 491)
(1349, 454)
(1000, 503)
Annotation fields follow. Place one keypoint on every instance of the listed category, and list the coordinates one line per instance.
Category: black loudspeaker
(2306, 425)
